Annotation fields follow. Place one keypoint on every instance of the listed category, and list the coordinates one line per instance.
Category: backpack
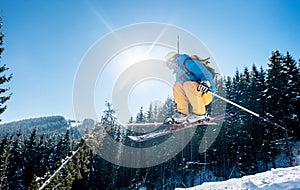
(205, 62)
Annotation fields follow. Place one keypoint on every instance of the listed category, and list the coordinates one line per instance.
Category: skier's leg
(180, 98)
(207, 98)
(197, 99)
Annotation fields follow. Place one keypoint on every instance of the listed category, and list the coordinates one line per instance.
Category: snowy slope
(282, 178)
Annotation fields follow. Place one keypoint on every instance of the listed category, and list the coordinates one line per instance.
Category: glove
(204, 86)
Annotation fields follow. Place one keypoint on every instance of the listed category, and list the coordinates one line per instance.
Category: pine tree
(109, 120)
(81, 161)
(290, 72)
(150, 115)
(59, 153)
(239, 132)
(5, 150)
(141, 118)
(41, 163)
(244, 136)
(15, 165)
(257, 89)
(44, 152)
(275, 82)
(155, 112)
(225, 89)
(256, 104)
(169, 108)
(292, 91)
(231, 129)
(131, 120)
(4, 96)
(261, 88)
(235, 94)
(158, 115)
(97, 176)
(63, 148)
(30, 158)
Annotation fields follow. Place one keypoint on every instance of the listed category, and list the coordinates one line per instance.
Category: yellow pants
(186, 93)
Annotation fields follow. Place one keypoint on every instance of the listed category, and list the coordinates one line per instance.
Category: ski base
(174, 128)
(178, 127)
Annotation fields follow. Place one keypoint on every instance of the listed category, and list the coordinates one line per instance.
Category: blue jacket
(200, 72)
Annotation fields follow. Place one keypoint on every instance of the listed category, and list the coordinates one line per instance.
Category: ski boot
(176, 118)
(193, 118)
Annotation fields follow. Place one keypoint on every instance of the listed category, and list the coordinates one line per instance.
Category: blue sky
(46, 40)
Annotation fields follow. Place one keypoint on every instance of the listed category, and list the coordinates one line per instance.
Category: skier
(193, 81)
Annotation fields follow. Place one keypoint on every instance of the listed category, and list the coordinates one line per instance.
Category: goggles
(172, 63)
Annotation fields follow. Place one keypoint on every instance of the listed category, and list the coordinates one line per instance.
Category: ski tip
(135, 138)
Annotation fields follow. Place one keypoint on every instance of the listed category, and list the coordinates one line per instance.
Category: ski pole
(235, 104)
(247, 110)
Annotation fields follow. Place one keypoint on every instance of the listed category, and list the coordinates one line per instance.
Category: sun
(134, 54)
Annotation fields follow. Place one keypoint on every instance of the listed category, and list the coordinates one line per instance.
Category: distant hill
(51, 125)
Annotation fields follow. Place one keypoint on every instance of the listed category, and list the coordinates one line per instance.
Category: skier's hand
(204, 86)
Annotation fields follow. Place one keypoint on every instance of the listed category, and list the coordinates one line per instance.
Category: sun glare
(128, 62)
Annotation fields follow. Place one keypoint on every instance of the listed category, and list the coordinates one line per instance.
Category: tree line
(245, 144)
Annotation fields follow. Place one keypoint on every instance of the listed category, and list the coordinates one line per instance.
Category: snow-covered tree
(141, 117)
(15, 166)
(4, 79)
(149, 115)
(291, 101)
(5, 150)
(31, 153)
(169, 108)
(108, 119)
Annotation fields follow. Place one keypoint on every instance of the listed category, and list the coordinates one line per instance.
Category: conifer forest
(51, 153)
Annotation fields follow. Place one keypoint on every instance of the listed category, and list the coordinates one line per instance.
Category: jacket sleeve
(201, 72)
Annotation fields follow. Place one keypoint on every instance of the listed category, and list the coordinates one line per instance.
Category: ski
(171, 128)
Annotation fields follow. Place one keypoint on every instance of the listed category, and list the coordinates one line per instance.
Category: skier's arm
(201, 73)
(199, 70)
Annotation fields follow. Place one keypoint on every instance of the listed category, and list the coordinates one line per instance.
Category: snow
(281, 178)
(75, 124)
